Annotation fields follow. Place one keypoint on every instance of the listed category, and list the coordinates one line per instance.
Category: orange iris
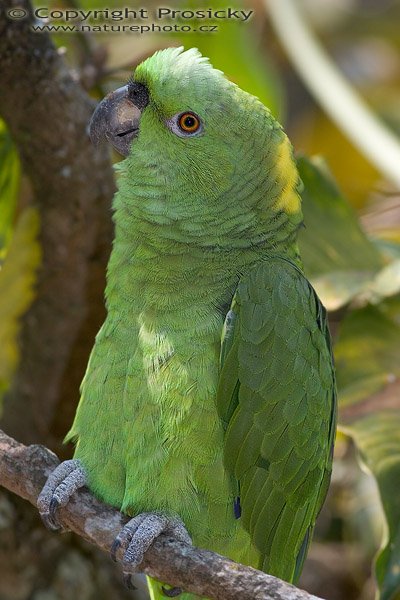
(189, 123)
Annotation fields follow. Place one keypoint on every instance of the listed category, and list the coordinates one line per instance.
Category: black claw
(171, 592)
(54, 504)
(114, 549)
(127, 577)
(50, 522)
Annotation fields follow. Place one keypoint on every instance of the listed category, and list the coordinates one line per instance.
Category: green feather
(285, 416)
(178, 412)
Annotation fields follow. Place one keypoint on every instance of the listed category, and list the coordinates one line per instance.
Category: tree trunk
(47, 113)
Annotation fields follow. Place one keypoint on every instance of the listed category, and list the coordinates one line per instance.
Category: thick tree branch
(47, 113)
(24, 469)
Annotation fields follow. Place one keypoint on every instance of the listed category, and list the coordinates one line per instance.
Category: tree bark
(47, 113)
(23, 470)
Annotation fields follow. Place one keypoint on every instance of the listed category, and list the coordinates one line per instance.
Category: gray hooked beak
(116, 118)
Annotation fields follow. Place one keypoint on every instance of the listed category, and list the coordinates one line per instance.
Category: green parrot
(208, 406)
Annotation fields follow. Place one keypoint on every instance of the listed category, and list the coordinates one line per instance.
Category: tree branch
(24, 469)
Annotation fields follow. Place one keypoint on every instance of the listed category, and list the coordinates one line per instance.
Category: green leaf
(10, 176)
(332, 240)
(338, 288)
(367, 356)
(17, 278)
(377, 437)
(341, 287)
(343, 264)
(367, 353)
(386, 283)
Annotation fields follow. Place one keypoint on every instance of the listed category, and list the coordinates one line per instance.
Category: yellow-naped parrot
(208, 407)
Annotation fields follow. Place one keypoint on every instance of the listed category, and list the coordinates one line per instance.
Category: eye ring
(185, 124)
(189, 122)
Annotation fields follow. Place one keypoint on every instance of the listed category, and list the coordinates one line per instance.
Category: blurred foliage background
(350, 246)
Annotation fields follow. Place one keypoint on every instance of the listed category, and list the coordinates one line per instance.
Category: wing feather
(277, 400)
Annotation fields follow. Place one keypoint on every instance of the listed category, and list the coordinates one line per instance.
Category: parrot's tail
(161, 591)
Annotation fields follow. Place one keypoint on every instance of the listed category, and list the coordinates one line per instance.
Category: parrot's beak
(116, 119)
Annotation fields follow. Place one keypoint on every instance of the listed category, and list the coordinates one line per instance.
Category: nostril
(123, 133)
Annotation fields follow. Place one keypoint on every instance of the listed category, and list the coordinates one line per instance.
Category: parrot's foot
(58, 489)
(138, 535)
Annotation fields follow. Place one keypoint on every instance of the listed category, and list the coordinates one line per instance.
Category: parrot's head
(175, 98)
(183, 125)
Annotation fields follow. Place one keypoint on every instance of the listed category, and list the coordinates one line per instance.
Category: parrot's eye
(185, 124)
(189, 122)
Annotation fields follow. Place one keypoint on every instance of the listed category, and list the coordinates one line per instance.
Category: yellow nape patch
(289, 199)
